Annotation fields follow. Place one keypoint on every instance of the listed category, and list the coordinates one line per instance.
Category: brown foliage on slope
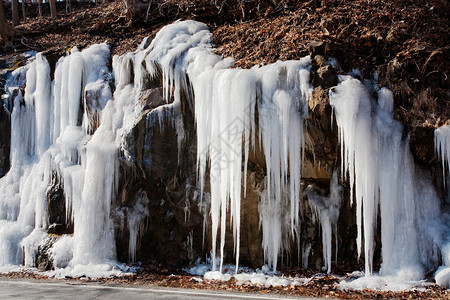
(404, 41)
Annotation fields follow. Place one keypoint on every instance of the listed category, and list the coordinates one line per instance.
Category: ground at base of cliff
(318, 285)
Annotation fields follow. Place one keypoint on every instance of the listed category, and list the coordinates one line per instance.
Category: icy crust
(257, 279)
(265, 277)
(376, 283)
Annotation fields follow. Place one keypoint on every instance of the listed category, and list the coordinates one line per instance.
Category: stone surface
(5, 140)
(325, 77)
(58, 223)
(421, 143)
(43, 260)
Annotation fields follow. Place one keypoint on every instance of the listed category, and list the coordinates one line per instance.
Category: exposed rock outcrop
(158, 181)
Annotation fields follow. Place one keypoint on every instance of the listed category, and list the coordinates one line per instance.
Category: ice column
(442, 146)
(94, 232)
(23, 201)
(378, 163)
(282, 108)
(48, 139)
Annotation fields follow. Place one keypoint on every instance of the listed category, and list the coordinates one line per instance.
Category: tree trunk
(40, 8)
(6, 31)
(53, 8)
(15, 11)
(24, 12)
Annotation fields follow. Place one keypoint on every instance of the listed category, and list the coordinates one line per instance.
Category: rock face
(59, 222)
(160, 161)
(5, 135)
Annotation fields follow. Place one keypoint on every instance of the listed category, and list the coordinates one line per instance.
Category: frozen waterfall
(69, 131)
(383, 181)
(51, 143)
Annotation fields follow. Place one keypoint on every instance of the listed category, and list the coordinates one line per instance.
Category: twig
(28, 46)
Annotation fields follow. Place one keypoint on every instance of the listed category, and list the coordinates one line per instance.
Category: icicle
(225, 104)
(48, 140)
(23, 190)
(285, 93)
(270, 218)
(56, 147)
(220, 133)
(327, 211)
(94, 231)
(352, 107)
(42, 104)
(135, 220)
(442, 147)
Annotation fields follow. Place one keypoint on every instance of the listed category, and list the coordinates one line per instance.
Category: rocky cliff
(161, 208)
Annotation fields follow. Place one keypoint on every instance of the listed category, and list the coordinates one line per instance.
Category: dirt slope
(405, 42)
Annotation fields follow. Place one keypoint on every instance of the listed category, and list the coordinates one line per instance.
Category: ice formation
(71, 130)
(225, 103)
(135, 217)
(327, 212)
(225, 107)
(377, 161)
(399, 282)
(442, 145)
(258, 279)
(51, 139)
(263, 277)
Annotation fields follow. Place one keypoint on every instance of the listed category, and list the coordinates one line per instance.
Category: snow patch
(402, 281)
